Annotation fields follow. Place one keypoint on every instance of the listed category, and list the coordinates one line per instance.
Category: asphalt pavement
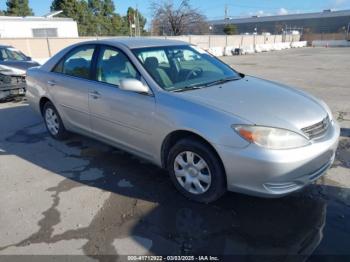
(82, 197)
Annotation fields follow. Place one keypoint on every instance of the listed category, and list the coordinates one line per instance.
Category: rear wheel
(196, 171)
(53, 122)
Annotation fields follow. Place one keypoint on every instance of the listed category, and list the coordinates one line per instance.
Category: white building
(33, 26)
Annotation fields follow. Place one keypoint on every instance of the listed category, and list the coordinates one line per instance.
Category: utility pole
(134, 24)
(226, 12)
(130, 24)
(137, 22)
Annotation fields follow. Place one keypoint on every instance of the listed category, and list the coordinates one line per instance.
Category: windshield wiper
(221, 81)
(200, 86)
(190, 87)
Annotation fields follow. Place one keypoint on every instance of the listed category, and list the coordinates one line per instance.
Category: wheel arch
(42, 103)
(172, 138)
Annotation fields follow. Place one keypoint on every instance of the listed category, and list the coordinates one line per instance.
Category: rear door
(122, 116)
(69, 83)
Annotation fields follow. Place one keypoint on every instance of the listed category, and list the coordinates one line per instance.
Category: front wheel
(196, 171)
(53, 122)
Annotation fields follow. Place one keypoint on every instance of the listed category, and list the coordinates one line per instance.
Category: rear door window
(77, 63)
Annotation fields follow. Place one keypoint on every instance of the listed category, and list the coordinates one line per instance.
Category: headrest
(151, 62)
(117, 62)
(77, 62)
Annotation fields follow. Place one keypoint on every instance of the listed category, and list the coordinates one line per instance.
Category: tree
(108, 8)
(230, 29)
(18, 8)
(105, 21)
(75, 9)
(179, 20)
(95, 17)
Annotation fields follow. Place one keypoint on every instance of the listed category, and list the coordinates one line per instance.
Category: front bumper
(11, 86)
(271, 173)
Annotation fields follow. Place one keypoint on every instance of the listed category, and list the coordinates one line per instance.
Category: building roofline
(255, 19)
(34, 18)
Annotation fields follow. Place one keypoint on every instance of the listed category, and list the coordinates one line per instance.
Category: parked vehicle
(13, 66)
(213, 128)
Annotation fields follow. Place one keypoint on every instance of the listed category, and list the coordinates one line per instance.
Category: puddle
(28, 135)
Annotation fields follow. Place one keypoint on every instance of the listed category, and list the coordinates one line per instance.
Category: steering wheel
(194, 72)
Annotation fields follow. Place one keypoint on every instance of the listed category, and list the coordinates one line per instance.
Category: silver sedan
(179, 107)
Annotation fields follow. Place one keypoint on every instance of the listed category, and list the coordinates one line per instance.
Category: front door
(123, 117)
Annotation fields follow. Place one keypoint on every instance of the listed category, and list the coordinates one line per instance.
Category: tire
(183, 171)
(54, 125)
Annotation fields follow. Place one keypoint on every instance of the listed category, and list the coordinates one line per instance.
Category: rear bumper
(272, 173)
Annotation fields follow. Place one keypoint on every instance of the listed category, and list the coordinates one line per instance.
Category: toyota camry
(214, 129)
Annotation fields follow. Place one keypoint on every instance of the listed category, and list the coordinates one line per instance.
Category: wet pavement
(96, 200)
(82, 197)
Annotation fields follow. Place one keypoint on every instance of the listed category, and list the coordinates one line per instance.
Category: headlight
(326, 107)
(269, 137)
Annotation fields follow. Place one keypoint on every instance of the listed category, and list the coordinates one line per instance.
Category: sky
(214, 9)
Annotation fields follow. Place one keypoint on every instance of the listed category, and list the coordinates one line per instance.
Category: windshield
(11, 54)
(177, 68)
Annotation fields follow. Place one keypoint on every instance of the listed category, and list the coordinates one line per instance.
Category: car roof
(140, 42)
(127, 42)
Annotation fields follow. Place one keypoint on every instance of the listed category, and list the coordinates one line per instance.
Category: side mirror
(134, 85)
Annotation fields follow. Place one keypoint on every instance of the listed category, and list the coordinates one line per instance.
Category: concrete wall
(331, 43)
(320, 37)
(41, 48)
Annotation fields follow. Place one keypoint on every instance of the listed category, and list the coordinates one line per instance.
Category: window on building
(44, 32)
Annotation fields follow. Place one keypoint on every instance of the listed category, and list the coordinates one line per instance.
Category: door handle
(51, 83)
(95, 94)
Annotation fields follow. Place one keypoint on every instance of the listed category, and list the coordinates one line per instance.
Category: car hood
(261, 102)
(20, 65)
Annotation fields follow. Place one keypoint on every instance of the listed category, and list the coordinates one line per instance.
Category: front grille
(317, 130)
(11, 80)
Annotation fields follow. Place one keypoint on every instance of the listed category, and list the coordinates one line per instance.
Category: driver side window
(113, 66)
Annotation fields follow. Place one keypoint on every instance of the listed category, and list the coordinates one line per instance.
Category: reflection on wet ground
(144, 212)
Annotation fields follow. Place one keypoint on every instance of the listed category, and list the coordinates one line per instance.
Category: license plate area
(19, 91)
